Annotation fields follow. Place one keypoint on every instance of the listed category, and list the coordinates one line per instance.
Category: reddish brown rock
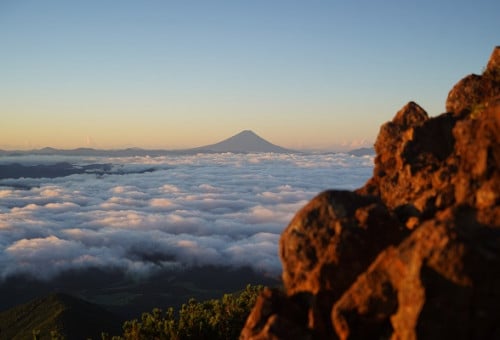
(439, 282)
(494, 62)
(474, 92)
(415, 253)
(333, 239)
(409, 175)
(329, 243)
(276, 316)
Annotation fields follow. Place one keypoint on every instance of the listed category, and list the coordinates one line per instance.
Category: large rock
(474, 92)
(277, 316)
(320, 249)
(440, 282)
(415, 253)
(410, 173)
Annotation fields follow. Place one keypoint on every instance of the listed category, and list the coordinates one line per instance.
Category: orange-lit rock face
(415, 253)
(333, 239)
(475, 92)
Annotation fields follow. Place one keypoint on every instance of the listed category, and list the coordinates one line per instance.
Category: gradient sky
(174, 74)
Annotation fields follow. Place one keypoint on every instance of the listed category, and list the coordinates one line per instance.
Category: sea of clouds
(219, 209)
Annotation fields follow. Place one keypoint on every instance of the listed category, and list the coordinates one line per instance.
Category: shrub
(213, 319)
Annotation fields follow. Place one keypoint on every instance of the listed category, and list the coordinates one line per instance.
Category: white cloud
(224, 209)
(50, 191)
(169, 188)
(5, 193)
(161, 203)
(66, 206)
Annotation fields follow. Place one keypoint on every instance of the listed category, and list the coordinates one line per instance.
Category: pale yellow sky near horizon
(137, 134)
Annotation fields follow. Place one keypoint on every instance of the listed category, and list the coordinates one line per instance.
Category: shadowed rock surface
(415, 253)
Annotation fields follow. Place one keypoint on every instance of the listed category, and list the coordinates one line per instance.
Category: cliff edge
(415, 253)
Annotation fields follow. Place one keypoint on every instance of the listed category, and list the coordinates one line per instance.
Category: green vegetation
(212, 319)
(59, 317)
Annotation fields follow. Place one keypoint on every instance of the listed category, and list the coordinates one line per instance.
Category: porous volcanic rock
(440, 282)
(474, 92)
(415, 252)
(325, 239)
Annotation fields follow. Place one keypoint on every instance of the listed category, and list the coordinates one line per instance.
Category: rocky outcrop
(415, 253)
(474, 92)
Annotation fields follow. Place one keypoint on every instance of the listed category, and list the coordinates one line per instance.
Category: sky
(176, 74)
(207, 209)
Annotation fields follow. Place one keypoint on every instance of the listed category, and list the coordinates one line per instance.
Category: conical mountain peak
(247, 132)
(245, 141)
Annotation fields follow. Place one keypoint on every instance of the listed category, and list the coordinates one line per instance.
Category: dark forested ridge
(128, 296)
(57, 315)
(60, 316)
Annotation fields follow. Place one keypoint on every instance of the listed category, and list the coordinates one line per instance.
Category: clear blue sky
(171, 74)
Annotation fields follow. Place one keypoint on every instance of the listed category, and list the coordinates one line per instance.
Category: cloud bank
(219, 209)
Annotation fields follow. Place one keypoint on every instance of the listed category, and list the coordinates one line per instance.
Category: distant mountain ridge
(362, 152)
(69, 316)
(245, 141)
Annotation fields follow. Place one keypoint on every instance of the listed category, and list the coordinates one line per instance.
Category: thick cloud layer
(226, 209)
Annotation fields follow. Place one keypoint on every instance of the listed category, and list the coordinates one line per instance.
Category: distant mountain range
(362, 152)
(246, 141)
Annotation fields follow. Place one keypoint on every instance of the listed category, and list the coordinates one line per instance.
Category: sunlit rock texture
(413, 254)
